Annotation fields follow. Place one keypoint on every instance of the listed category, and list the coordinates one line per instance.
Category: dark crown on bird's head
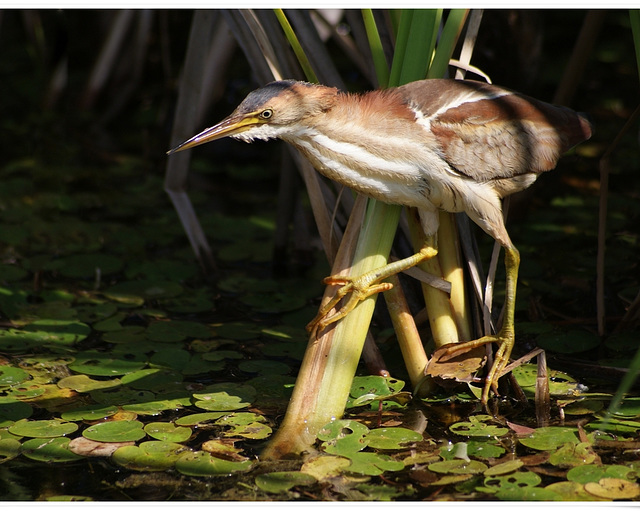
(289, 100)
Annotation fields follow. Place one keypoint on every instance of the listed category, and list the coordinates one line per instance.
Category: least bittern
(455, 145)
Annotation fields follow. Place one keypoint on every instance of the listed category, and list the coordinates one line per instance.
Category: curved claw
(360, 288)
(505, 341)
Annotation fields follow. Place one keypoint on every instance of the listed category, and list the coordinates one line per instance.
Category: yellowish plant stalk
(330, 361)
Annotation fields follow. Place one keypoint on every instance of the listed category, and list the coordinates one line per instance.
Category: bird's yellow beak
(230, 126)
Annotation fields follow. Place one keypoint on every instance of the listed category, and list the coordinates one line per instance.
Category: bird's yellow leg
(505, 338)
(363, 286)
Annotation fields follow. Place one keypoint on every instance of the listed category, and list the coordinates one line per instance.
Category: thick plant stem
(330, 362)
(413, 353)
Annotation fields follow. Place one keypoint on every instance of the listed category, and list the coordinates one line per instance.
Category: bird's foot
(505, 341)
(358, 288)
(361, 287)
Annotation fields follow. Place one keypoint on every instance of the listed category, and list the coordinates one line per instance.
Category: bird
(433, 144)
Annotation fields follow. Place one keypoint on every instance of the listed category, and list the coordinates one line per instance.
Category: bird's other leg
(363, 286)
(505, 338)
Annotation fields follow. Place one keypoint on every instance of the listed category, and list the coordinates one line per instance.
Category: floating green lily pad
(107, 364)
(49, 450)
(477, 429)
(10, 376)
(458, 467)
(550, 438)
(283, 481)
(204, 464)
(12, 409)
(59, 332)
(42, 428)
(115, 431)
(594, 472)
(84, 383)
(245, 424)
(149, 456)
(154, 407)
(629, 408)
(90, 413)
(164, 431)
(226, 396)
(9, 448)
(573, 454)
(372, 464)
(343, 437)
(157, 380)
(391, 438)
(504, 468)
(94, 313)
(199, 419)
(121, 396)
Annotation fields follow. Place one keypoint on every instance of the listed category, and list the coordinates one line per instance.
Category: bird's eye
(266, 114)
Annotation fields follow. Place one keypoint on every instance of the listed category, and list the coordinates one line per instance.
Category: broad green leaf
(550, 438)
(42, 428)
(164, 431)
(391, 438)
(204, 464)
(149, 456)
(115, 431)
(282, 481)
(49, 450)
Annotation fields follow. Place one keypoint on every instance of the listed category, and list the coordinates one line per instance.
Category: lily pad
(572, 454)
(149, 456)
(594, 473)
(282, 481)
(477, 429)
(323, 467)
(458, 466)
(12, 409)
(164, 431)
(153, 407)
(49, 450)
(104, 364)
(10, 376)
(199, 419)
(613, 489)
(204, 464)
(115, 431)
(225, 396)
(90, 413)
(372, 464)
(247, 425)
(84, 383)
(343, 437)
(504, 468)
(42, 428)
(550, 438)
(392, 438)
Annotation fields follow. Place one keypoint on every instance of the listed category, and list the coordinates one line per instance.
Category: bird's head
(275, 110)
